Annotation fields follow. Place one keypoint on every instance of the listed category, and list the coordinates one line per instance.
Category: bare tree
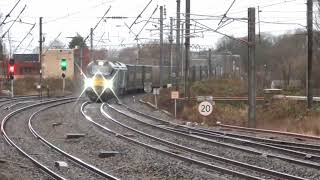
(56, 44)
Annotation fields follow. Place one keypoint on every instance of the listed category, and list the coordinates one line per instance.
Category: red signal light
(11, 69)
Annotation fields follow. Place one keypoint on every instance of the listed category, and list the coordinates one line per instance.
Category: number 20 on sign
(205, 108)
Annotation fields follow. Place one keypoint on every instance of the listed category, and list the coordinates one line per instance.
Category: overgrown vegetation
(283, 115)
(219, 87)
(288, 115)
(28, 86)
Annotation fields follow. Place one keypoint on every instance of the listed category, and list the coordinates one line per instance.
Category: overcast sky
(78, 16)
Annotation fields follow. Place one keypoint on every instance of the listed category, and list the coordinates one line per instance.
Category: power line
(14, 20)
(73, 13)
(282, 23)
(98, 23)
(275, 4)
(99, 40)
(154, 11)
(28, 45)
(139, 16)
(29, 32)
(225, 14)
(218, 32)
(266, 5)
(25, 37)
(130, 31)
(8, 15)
(52, 42)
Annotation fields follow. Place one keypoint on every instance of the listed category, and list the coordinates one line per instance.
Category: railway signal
(63, 64)
(11, 68)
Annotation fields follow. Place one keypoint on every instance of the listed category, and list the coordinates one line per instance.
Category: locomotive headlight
(108, 84)
(88, 82)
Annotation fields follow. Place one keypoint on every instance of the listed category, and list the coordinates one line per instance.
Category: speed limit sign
(205, 108)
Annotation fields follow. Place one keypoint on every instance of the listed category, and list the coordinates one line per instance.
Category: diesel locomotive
(108, 79)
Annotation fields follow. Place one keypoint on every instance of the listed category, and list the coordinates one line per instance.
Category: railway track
(6, 101)
(295, 135)
(170, 152)
(174, 128)
(224, 163)
(77, 163)
(291, 147)
(294, 148)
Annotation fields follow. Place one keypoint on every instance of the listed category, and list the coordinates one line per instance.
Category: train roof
(114, 64)
(118, 65)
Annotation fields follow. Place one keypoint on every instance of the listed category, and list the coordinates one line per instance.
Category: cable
(76, 12)
(25, 37)
(274, 4)
(130, 31)
(8, 15)
(282, 23)
(225, 14)
(213, 30)
(98, 23)
(266, 5)
(52, 43)
(14, 21)
(28, 45)
(147, 21)
(99, 41)
(139, 16)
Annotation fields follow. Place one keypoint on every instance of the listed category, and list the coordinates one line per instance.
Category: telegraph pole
(259, 24)
(251, 67)
(40, 56)
(161, 46)
(209, 64)
(187, 52)
(91, 44)
(182, 57)
(310, 51)
(170, 50)
(178, 46)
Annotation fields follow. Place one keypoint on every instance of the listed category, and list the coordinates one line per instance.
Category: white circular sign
(205, 108)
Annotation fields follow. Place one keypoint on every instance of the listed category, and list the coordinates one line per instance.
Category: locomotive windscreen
(104, 69)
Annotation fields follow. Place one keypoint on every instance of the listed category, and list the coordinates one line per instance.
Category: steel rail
(264, 140)
(270, 131)
(208, 155)
(69, 156)
(181, 157)
(17, 98)
(11, 143)
(244, 142)
(207, 140)
(273, 142)
(17, 103)
(311, 148)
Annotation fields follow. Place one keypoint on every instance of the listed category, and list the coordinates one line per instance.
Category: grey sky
(71, 16)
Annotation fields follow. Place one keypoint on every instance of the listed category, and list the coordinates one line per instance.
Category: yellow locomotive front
(99, 81)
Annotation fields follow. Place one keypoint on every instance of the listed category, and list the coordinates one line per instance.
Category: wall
(51, 63)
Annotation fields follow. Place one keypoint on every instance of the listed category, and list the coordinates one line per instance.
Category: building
(26, 65)
(51, 63)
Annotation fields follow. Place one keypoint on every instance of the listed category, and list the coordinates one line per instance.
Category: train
(109, 79)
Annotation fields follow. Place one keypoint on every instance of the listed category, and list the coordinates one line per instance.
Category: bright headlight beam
(108, 84)
(88, 82)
